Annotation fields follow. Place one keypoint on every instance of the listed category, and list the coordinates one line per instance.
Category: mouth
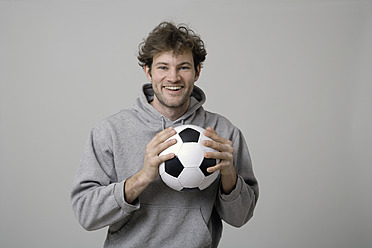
(173, 88)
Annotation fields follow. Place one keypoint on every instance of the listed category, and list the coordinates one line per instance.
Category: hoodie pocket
(159, 226)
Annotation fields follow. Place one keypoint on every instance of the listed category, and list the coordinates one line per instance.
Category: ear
(197, 74)
(147, 71)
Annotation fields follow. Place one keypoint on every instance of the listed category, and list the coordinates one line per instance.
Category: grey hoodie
(160, 216)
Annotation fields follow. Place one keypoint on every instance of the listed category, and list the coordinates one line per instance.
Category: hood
(154, 118)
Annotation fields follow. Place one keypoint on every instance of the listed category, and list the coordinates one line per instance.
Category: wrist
(228, 182)
(135, 185)
(228, 172)
(139, 181)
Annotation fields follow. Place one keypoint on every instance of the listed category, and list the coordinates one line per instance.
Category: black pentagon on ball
(173, 167)
(189, 135)
(207, 162)
(190, 189)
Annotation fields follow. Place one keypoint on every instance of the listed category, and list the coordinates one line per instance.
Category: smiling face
(172, 77)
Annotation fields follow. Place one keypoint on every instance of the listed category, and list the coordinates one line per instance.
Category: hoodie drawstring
(163, 122)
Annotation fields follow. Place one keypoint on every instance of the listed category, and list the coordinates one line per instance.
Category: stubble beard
(181, 104)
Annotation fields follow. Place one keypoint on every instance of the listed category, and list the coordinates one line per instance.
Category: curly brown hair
(169, 37)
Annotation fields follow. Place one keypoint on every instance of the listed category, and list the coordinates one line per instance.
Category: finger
(166, 157)
(160, 142)
(162, 136)
(214, 145)
(212, 134)
(210, 129)
(162, 146)
(219, 155)
(222, 147)
(165, 134)
(219, 166)
(212, 169)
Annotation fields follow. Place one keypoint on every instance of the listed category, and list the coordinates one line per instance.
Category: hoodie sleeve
(97, 198)
(237, 207)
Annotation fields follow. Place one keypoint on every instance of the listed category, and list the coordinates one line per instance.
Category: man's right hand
(134, 185)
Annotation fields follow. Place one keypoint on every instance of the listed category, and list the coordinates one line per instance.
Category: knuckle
(227, 155)
(158, 160)
(223, 164)
(148, 147)
(157, 136)
(167, 144)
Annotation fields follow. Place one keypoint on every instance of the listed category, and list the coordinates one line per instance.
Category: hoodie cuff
(120, 199)
(233, 194)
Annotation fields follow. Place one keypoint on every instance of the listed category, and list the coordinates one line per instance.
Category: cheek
(157, 77)
(156, 80)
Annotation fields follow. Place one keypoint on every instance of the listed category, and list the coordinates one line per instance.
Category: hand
(136, 184)
(153, 149)
(225, 152)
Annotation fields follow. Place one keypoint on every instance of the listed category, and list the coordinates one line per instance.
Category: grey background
(295, 76)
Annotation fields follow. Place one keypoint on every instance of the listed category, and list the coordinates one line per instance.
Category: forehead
(170, 57)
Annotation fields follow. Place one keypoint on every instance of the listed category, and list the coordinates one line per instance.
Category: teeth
(173, 87)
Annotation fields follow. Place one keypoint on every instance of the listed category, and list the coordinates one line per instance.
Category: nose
(173, 75)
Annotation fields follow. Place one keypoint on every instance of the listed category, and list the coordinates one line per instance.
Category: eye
(184, 68)
(162, 67)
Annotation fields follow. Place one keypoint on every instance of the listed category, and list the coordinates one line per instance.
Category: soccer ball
(188, 169)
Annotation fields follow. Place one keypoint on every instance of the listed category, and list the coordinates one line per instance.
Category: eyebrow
(180, 64)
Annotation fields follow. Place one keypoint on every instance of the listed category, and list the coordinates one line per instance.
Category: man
(117, 183)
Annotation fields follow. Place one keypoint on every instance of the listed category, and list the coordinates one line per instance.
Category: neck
(169, 112)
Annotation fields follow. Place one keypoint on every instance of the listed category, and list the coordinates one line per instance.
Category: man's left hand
(224, 152)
